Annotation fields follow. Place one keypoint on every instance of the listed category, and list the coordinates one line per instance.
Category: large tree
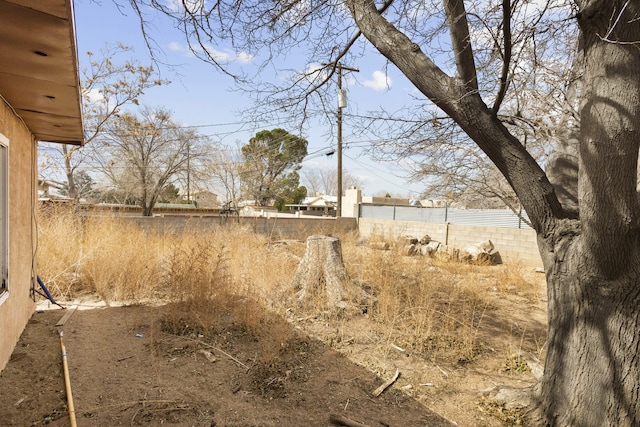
(84, 186)
(271, 160)
(590, 251)
(143, 154)
(224, 168)
(325, 181)
(109, 84)
(592, 372)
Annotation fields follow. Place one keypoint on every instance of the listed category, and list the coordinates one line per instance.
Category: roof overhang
(39, 68)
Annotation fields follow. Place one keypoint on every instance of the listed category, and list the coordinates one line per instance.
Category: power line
(411, 190)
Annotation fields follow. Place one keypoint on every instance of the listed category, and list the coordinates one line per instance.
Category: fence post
(520, 218)
(446, 235)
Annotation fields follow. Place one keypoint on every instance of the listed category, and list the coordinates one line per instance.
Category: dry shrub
(59, 252)
(230, 275)
(265, 269)
(208, 280)
(100, 254)
(511, 280)
(221, 279)
(196, 268)
(197, 284)
(508, 416)
(433, 311)
(123, 263)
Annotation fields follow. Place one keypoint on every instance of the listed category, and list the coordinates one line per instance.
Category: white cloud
(95, 95)
(230, 56)
(244, 57)
(380, 81)
(195, 7)
(218, 55)
(314, 72)
(176, 47)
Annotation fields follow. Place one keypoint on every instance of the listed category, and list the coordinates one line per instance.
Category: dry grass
(98, 254)
(512, 281)
(434, 307)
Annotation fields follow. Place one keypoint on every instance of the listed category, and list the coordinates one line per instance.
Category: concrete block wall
(301, 228)
(513, 244)
(392, 229)
(275, 227)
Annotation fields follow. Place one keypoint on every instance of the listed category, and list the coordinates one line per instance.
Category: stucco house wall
(40, 100)
(16, 305)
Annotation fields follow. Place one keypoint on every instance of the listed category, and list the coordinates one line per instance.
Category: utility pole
(342, 102)
(188, 173)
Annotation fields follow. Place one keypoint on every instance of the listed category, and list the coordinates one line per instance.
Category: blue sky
(201, 96)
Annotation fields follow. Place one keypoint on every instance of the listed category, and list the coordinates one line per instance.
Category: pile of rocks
(479, 253)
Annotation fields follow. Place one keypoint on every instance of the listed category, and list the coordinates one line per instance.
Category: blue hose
(46, 291)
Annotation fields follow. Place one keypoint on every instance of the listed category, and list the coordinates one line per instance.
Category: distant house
(40, 101)
(316, 205)
(205, 199)
(50, 189)
(385, 201)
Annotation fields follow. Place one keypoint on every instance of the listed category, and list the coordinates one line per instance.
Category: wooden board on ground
(66, 316)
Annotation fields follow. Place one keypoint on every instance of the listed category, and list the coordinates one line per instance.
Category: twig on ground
(397, 348)
(225, 353)
(443, 371)
(216, 349)
(134, 415)
(377, 392)
(339, 420)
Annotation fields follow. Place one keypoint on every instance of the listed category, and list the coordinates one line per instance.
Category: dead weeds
(450, 328)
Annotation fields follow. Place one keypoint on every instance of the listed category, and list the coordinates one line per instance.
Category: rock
(411, 249)
(430, 248)
(514, 398)
(381, 246)
(479, 253)
(510, 397)
(413, 240)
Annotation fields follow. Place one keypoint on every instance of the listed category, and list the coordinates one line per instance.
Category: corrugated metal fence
(480, 217)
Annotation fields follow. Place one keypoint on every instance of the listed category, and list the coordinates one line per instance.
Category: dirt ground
(126, 369)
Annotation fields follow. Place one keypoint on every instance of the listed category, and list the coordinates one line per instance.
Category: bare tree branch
(461, 41)
(506, 57)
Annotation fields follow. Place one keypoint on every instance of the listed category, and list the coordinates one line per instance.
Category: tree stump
(321, 274)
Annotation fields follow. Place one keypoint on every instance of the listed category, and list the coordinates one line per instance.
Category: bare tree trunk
(321, 273)
(562, 165)
(68, 169)
(592, 368)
